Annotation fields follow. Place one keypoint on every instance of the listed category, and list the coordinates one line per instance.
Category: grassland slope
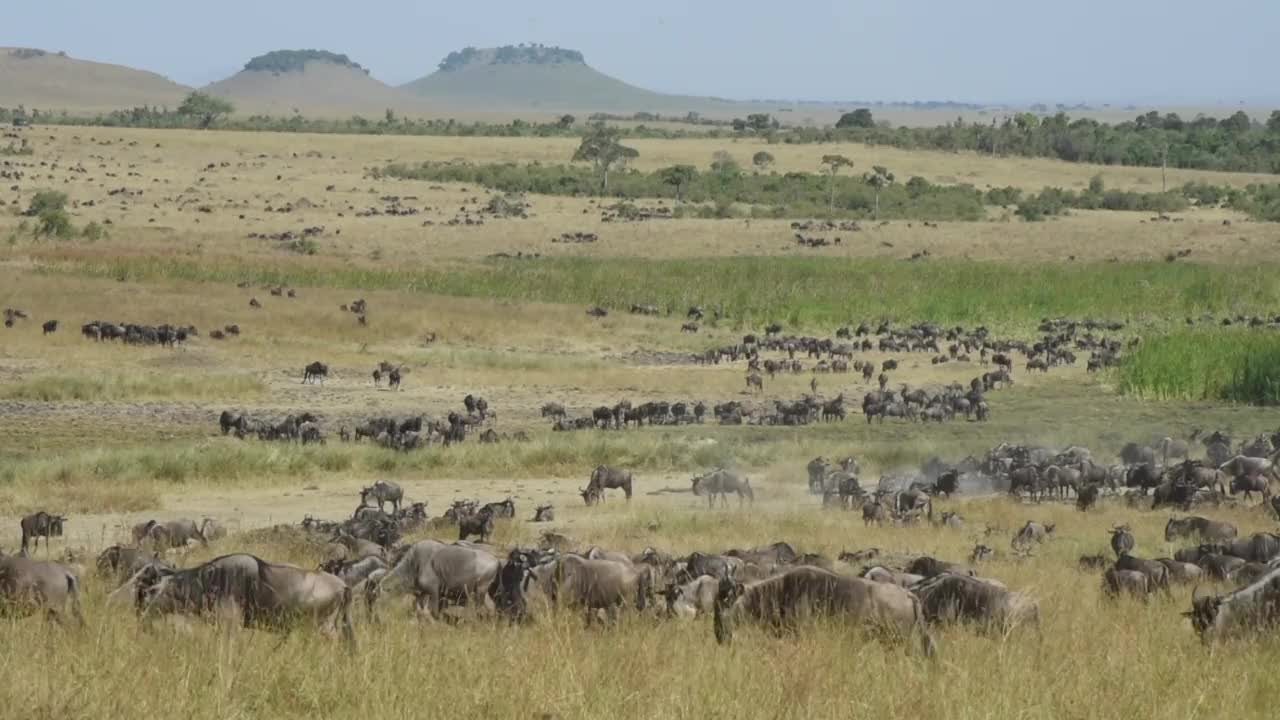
(47, 80)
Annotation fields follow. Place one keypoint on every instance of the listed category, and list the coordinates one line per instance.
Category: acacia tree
(879, 178)
(207, 108)
(833, 164)
(679, 177)
(601, 148)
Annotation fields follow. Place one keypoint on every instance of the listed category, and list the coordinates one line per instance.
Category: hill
(54, 81)
(537, 77)
(310, 82)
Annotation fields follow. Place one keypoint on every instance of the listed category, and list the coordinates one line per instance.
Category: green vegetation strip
(799, 291)
(1234, 366)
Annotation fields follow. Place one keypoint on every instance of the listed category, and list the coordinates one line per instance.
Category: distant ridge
(541, 78)
(47, 80)
(309, 81)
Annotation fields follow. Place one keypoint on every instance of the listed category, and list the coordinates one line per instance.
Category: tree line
(1234, 144)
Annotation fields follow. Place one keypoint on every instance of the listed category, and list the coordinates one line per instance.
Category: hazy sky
(982, 50)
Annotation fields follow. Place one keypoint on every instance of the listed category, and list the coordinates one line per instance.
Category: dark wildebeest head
(510, 583)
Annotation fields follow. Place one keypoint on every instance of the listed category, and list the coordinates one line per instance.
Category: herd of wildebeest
(368, 558)
(899, 597)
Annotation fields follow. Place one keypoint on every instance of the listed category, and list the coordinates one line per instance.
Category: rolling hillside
(54, 81)
(543, 78)
(311, 82)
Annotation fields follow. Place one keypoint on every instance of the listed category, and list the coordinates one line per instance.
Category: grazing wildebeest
(1087, 497)
(755, 382)
(510, 582)
(873, 511)
(595, 585)
(1258, 547)
(1121, 540)
(49, 326)
(259, 593)
(121, 562)
(437, 574)
(478, 523)
(356, 573)
(696, 597)
(1157, 574)
(818, 469)
(1181, 572)
(315, 372)
(553, 410)
(1116, 582)
(1033, 533)
(1243, 613)
(926, 566)
(717, 566)
(32, 585)
(722, 482)
(172, 534)
(384, 491)
(780, 600)
(38, 525)
(1195, 526)
(950, 597)
(605, 477)
(1259, 471)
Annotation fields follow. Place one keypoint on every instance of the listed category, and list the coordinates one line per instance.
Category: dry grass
(1090, 658)
(139, 439)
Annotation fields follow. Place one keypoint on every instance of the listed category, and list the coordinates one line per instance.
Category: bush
(55, 223)
(93, 231)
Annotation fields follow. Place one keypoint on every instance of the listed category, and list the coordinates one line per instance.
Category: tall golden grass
(1090, 658)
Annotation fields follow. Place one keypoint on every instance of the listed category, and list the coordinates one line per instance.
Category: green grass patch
(797, 291)
(1239, 366)
(115, 386)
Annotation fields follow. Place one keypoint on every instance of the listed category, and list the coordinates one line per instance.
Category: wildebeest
(1033, 533)
(544, 513)
(121, 562)
(171, 534)
(1157, 574)
(49, 326)
(315, 372)
(926, 566)
(256, 591)
(479, 523)
(437, 574)
(605, 477)
(1121, 540)
(722, 482)
(40, 524)
(1258, 547)
(510, 582)
(384, 491)
(1195, 526)
(1245, 612)
(1116, 582)
(28, 585)
(693, 598)
(595, 585)
(950, 597)
(781, 600)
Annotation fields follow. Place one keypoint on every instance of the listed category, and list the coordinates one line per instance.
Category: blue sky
(1166, 51)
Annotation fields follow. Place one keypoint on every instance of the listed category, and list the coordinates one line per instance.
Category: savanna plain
(466, 297)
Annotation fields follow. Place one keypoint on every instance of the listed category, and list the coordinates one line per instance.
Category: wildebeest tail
(644, 589)
(73, 597)
(927, 646)
(348, 628)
